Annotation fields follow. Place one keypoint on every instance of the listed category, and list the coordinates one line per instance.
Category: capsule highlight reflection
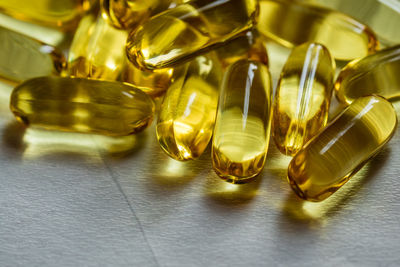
(82, 105)
(187, 30)
(187, 114)
(242, 127)
(375, 74)
(303, 96)
(22, 57)
(330, 159)
(345, 37)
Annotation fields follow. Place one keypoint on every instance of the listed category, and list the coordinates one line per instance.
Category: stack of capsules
(207, 60)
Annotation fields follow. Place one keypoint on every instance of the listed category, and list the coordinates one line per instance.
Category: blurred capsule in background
(82, 105)
(22, 57)
(242, 127)
(187, 30)
(62, 14)
(330, 159)
(302, 97)
(375, 74)
(292, 23)
(187, 115)
(97, 50)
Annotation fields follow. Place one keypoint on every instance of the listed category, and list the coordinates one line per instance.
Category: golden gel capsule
(22, 57)
(82, 105)
(247, 46)
(187, 114)
(291, 23)
(97, 50)
(329, 160)
(302, 97)
(63, 14)
(242, 127)
(375, 74)
(181, 33)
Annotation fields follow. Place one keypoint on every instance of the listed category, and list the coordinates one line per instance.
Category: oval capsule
(330, 159)
(374, 74)
(187, 30)
(187, 114)
(97, 50)
(242, 127)
(23, 58)
(345, 37)
(302, 97)
(82, 105)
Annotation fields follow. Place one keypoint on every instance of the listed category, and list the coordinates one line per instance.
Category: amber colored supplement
(187, 114)
(375, 74)
(22, 57)
(242, 127)
(82, 105)
(63, 14)
(302, 97)
(248, 45)
(292, 23)
(97, 50)
(330, 159)
(183, 32)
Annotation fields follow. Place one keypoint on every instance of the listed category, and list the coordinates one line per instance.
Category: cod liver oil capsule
(374, 74)
(63, 14)
(247, 46)
(187, 115)
(82, 105)
(329, 160)
(187, 30)
(302, 97)
(97, 50)
(345, 37)
(242, 127)
(22, 57)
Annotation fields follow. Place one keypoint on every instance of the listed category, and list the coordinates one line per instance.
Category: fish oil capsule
(242, 127)
(187, 30)
(246, 46)
(22, 57)
(97, 50)
(63, 14)
(374, 74)
(345, 37)
(187, 114)
(82, 105)
(329, 160)
(302, 98)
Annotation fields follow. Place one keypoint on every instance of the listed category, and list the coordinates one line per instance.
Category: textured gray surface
(81, 200)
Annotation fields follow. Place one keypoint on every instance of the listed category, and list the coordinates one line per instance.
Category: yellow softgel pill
(292, 23)
(242, 127)
(374, 74)
(330, 159)
(302, 97)
(22, 57)
(187, 30)
(82, 105)
(187, 114)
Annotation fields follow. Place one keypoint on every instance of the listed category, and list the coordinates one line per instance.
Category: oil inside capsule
(242, 127)
(187, 114)
(302, 98)
(374, 74)
(22, 57)
(329, 160)
(82, 105)
(187, 30)
(345, 37)
(97, 50)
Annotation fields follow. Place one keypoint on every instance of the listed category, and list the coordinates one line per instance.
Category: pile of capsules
(208, 61)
